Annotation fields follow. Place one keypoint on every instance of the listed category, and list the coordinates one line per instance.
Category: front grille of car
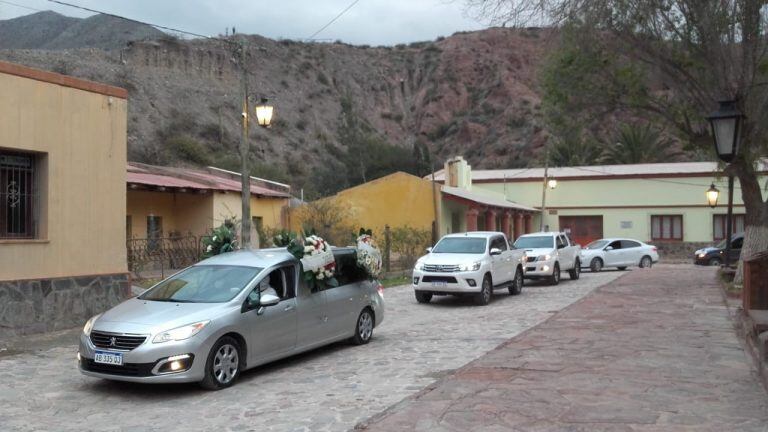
(530, 269)
(440, 268)
(531, 259)
(127, 369)
(447, 279)
(116, 341)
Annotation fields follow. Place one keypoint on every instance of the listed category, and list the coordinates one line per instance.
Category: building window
(719, 225)
(667, 227)
(19, 195)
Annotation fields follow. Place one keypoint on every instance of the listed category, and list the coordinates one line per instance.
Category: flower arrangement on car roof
(283, 238)
(221, 240)
(368, 254)
(316, 259)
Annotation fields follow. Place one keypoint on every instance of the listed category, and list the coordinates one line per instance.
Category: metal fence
(152, 257)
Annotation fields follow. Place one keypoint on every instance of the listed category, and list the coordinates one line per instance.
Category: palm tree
(636, 144)
(574, 150)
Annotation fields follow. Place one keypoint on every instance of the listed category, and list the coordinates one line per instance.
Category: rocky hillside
(50, 30)
(472, 93)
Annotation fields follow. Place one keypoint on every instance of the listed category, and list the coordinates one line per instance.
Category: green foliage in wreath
(283, 238)
(221, 239)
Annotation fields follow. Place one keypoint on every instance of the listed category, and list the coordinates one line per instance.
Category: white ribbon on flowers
(316, 262)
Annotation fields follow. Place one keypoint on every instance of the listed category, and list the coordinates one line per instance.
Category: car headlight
(702, 255)
(546, 257)
(419, 266)
(475, 266)
(180, 333)
(89, 324)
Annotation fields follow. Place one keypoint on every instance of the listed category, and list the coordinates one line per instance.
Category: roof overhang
(473, 199)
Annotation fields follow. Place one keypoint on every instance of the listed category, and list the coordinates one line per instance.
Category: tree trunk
(756, 220)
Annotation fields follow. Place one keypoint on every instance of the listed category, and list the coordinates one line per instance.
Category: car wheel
(517, 283)
(715, 262)
(484, 296)
(423, 297)
(555, 278)
(363, 328)
(622, 268)
(596, 265)
(223, 365)
(575, 271)
(646, 262)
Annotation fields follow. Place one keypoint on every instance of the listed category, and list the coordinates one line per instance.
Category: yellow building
(166, 202)
(62, 199)
(397, 200)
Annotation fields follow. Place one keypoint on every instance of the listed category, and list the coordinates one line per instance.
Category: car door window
(616, 245)
(628, 244)
(499, 243)
(737, 243)
(347, 270)
(560, 242)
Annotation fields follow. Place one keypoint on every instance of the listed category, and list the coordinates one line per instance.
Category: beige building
(62, 199)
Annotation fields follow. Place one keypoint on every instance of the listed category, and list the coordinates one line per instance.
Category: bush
(409, 243)
(330, 219)
(188, 149)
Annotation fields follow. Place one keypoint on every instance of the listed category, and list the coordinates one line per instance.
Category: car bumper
(449, 283)
(538, 269)
(142, 363)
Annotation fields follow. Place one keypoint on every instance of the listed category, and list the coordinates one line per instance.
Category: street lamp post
(548, 183)
(264, 113)
(726, 131)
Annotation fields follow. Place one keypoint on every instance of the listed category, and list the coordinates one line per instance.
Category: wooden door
(582, 229)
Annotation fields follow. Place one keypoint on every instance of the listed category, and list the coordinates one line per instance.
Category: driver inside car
(266, 288)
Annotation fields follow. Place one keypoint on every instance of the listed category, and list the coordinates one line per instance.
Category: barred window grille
(19, 195)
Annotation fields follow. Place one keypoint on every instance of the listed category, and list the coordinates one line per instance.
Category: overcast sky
(373, 22)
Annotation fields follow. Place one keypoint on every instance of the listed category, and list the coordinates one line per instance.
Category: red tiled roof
(172, 177)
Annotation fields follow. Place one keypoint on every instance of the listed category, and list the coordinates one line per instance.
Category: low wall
(678, 250)
(41, 305)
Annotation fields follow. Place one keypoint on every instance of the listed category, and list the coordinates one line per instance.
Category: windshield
(535, 242)
(466, 245)
(203, 284)
(722, 244)
(597, 244)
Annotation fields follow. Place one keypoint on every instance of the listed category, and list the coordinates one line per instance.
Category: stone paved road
(655, 351)
(331, 389)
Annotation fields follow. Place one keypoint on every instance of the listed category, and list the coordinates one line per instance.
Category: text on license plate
(439, 284)
(109, 358)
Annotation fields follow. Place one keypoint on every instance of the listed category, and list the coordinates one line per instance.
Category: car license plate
(109, 358)
(439, 284)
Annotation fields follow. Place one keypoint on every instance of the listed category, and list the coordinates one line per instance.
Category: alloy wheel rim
(226, 364)
(365, 326)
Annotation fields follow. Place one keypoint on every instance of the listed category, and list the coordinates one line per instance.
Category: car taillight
(380, 289)
(654, 249)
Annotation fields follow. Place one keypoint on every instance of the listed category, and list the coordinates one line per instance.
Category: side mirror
(495, 251)
(429, 249)
(608, 248)
(269, 300)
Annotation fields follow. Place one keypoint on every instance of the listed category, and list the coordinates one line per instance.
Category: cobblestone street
(330, 389)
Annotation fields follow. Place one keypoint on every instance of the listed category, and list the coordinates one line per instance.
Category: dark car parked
(715, 255)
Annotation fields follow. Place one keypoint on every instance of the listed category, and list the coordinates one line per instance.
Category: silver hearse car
(226, 314)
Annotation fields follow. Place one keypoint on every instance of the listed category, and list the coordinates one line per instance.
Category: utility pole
(729, 224)
(544, 187)
(245, 177)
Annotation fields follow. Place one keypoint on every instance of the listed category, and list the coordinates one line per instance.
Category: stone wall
(678, 250)
(41, 305)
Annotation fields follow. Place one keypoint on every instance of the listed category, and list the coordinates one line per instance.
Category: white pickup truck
(472, 263)
(549, 253)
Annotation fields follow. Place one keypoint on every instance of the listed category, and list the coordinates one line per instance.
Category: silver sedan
(226, 314)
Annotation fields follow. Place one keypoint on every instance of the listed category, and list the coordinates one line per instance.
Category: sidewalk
(653, 351)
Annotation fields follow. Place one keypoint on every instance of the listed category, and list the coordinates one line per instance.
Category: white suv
(473, 263)
(549, 253)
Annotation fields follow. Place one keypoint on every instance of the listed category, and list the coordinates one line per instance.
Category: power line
(21, 6)
(137, 21)
(333, 20)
